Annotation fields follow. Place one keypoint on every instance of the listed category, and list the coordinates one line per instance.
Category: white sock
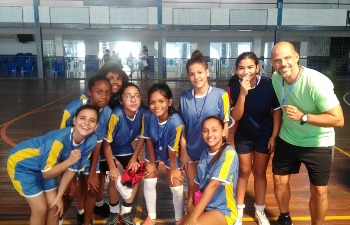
(60, 222)
(99, 204)
(259, 207)
(150, 193)
(178, 201)
(115, 209)
(81, 211)
(125, 209)
(240, 209)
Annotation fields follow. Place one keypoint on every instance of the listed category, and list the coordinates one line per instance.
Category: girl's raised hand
(245, 86)
(74, 156)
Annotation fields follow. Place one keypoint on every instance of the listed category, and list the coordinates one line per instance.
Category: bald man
(310, 111)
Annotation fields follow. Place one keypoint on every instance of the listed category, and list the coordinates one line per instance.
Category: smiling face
(247, 69)
(116, 81)
(130, 100)
(284, 59)
(198, 75)
(213, 133)
(86, 122)
(159, 105)
(100, 93)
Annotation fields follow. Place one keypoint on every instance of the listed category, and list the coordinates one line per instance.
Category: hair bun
(197, 54)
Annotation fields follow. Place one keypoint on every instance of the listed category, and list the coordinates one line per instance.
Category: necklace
(284, 98)
(161, 134)
(199, 114)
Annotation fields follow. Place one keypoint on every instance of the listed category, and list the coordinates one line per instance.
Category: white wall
(10, 46)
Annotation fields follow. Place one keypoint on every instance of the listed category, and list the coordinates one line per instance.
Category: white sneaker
(124, 191)
(261, 217)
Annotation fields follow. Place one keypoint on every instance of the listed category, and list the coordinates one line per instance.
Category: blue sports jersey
(165, 135)
(84, 95)
(257, 116)
(122, 131)
(30, 158)
(215, 104)
(225, 170)
(70, 110)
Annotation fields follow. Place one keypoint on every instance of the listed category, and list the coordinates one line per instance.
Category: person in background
(35, 164)
(106, 57)
(195, 105)
(99, 92)
(131, 65)
(257, 116)
(216, 177)
(162, 132)
(116, 59)
(310, 111)
(143, 55)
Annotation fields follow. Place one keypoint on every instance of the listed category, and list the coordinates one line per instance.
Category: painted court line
(24, 115)
(7, 124)
(344, 98)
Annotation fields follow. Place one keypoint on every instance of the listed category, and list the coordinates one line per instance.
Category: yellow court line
(28, 113)
(246, 219)
(342, 151)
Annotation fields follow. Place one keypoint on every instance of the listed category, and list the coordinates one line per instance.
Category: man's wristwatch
(304, 118)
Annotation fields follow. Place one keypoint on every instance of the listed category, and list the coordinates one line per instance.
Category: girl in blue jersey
(216, 179)
(163, 131)
(257, 125)
(33, 165)
(196, 104)
(99, 91)
(124, 126)
(118, 78)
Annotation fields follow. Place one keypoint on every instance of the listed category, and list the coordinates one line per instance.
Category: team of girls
(255, 110)
(35, 164)
(124, 126)
(199, 129)
(195, 105)
(86, 186)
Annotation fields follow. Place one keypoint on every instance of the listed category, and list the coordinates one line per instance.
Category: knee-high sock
(150, 193)
(178, 201)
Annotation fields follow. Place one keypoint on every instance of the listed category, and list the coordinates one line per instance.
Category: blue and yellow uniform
(225, 170)
(101, 131)
(215, 103)
(164, 135)
(122, 131)
(29, 159)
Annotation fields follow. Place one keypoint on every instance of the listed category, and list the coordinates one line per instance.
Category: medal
(199, 114)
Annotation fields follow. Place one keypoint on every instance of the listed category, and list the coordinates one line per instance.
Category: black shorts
(317, 160)
(247, 145)
(123, 160)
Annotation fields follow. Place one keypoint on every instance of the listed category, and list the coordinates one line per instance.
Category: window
(49, 48)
